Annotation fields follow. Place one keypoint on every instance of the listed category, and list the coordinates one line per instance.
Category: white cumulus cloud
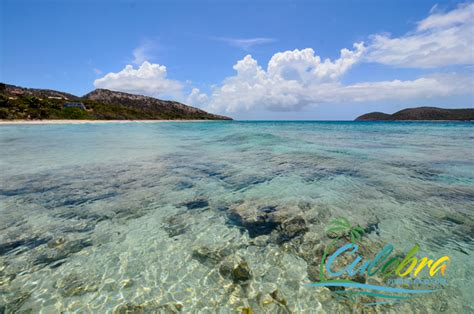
(441, 39)
(302, 80)
(305, 66)
(148, 79)
(286, 82)
(196, 98)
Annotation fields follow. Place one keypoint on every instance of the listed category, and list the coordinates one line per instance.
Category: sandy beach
(15, 122)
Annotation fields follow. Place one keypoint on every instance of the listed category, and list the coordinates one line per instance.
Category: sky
(264, 60)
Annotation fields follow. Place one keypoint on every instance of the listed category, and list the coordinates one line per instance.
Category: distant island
(19, 103)
(421, 113)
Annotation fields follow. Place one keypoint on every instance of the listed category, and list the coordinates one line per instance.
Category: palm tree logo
(342, 228)
(339, 228)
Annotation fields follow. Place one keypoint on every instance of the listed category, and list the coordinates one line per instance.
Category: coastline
(64, 121)
(35, 122)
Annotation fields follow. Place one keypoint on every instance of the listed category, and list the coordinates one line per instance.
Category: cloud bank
(295, 79)
(253, 88)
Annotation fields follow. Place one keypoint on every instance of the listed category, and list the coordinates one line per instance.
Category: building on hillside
(79, 105)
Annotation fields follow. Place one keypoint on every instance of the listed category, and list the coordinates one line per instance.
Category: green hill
(33, 104)
(420, 113)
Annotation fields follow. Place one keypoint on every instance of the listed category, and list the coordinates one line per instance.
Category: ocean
(229, 216)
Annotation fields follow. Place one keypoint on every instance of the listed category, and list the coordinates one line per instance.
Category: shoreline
(64, 121)
(36, 122)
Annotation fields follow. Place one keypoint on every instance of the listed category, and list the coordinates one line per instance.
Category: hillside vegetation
(33, 104)
(421, 113)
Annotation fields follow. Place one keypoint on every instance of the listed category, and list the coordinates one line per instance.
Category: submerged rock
(261, 241)
(56, 242)
(247, 310)
(268, 209)
(236, 268)
(5, 279)
(261, 225)
(148, 307)
(13, 303)
(82, 214)
(210, 257)
(290, 229)
(284, 222)
(58, 251)
(278, 296)
(196, 204)
(130, 213)
(176, 225)
(241, 273)
(74, 285)
(374, 227)
(27, 242)
(274, 302)
(128, 308)
(257, 220)
(311, 248)
(460, 226)
(126, 283)
(171, 307)
(458, 218)
(183, 185)
(313, 272)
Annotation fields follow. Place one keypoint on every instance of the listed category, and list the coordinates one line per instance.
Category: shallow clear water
(145, 216)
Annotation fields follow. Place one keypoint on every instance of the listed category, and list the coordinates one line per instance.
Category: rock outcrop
(164, 107)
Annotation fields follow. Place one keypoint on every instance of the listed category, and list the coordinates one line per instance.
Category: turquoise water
(195, 217)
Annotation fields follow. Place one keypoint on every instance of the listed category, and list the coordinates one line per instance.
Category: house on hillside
(79, 105)
(16, 91)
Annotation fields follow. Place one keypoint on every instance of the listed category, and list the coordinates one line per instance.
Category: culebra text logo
(399, 277)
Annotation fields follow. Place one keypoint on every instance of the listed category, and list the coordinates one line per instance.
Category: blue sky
(195, 52)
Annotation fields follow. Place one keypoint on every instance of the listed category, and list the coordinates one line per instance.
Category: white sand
(7, 122)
